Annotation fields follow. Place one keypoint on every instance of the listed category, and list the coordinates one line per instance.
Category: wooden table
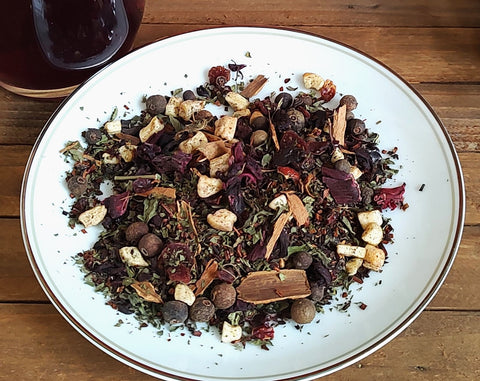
(435, 45)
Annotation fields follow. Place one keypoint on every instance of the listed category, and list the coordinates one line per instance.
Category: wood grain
(418, 55)
(307, 12)
(55, 351)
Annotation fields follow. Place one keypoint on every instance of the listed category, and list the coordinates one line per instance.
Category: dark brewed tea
(49, 46)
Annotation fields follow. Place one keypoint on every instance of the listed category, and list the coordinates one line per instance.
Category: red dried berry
(218, 75)
(328, 90)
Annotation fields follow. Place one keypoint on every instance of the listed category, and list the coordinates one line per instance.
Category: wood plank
(459, 289)
(17, 281)
(459, 292)
(438, 344)
(458, 107)
(306, 12)
(418, 55)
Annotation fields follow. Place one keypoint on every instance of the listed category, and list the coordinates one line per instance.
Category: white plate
(427, 234)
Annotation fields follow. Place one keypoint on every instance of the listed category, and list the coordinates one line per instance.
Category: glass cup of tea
(49, 47)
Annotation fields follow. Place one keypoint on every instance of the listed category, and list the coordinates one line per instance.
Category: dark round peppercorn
(77, 185)
(284, 100)
(356, 126)
(297, 119)
(302, 260)
(92, 135)
(156, 104)
(175, 312)
(223, 295)
(150, 245)
(350, 101)
(343, 165)
(189, 95)
(303, 311)
(202, 310)
(135, 231)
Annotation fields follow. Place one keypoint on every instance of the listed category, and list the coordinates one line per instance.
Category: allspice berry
(223, 295)
(303, 311)
(202, 310)
(350, 101)
(175, 312)
(156, 104)
(150, 245)
(135, 231)
(77, 185)
(302, 260)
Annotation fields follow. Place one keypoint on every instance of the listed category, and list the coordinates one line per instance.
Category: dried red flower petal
(117, 204)
(390, 197)
(263, 332)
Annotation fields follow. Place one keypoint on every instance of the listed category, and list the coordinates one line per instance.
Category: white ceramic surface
(427, 234)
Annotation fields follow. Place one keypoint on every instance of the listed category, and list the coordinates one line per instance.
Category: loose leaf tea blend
(242, 220)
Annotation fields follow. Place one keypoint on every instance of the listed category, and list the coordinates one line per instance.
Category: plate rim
(398, 329)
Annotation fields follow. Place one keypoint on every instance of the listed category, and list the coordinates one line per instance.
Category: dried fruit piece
(93, 216)
(222, 219)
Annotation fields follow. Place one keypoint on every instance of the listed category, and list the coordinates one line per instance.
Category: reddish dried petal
(390, 197)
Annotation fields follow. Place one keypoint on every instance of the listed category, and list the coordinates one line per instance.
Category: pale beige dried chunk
(353, 265)
(113, 127)
(313, 81)
(373, 233)
(222, 219)
(155, 125)
(370, 216)
(188, 108)
(193, 144)
(225, 127)
(220, 164)
(93, 216)
(173, 105)
(184, 294)
(208, 186)
(374, 258)
(131, 256)
(127, 152)
(109, 159)
(237, 101)
(231, 333)
(351, 250)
